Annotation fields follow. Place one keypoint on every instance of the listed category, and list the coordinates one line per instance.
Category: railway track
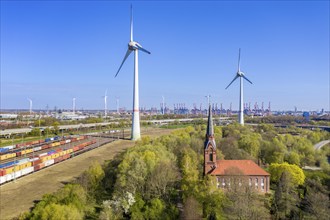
(30, 166)
(96, 140)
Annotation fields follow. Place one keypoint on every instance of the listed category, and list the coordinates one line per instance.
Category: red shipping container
(58, 159)
(75, 148)
(58, 150)
(20, 145)
(62, 142)
(18, 153)
(36, 162)
(2, 172)
(41, 141)
(39, 166)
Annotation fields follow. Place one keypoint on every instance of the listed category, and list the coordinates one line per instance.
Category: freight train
(15, 169)
(17, 151)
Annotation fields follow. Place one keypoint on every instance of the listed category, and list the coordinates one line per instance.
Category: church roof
(243, 167)
(210, 130)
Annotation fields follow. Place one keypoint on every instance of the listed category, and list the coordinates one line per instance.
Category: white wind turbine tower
(105, 103)
(73, 105)
(163, 105)
(134, 46)
(241, 76)
(30, 101)
(117, 104)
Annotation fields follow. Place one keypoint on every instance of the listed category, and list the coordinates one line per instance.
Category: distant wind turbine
(30, 101)
(117, 104)
(73, 105)
(241, 76)
(163, 98)
(134, 46)
(208, 99)
(105, 103)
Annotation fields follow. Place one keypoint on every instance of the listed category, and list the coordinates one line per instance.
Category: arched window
(211, 155)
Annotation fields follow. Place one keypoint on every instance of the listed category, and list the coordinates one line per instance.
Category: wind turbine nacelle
(132, 45)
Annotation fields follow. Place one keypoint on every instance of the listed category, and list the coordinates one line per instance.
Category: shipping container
(49, 162)
(3, 179)
(2, 172)
(39, 166)
(27, 170)
(36, 162)
(42, 155)
(36, 149)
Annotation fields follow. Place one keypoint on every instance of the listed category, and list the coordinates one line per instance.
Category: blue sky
(53, 51)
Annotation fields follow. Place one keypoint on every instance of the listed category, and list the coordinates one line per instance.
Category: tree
(60, 212)
(243, 201)
(315, 203)
(56, 127)
(70, 202)
(91, 178)
(250, 143)
(191, 209)
(285, 198)
(35, 132)
(295, 173)
(161, 180)
(292, 158)
(190, 174)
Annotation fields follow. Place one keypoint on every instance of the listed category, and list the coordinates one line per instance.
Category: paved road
(319, 145)
(64, 127)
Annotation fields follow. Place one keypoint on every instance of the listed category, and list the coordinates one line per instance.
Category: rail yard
(22, 159)
(19, 195)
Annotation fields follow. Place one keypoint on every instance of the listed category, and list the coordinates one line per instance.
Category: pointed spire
(210, 130)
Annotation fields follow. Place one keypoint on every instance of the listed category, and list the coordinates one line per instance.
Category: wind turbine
(163, 105)
(117, 104)
(30, 100)
(134, 46)
(241, 76)
(73, 105)
(208, 99)
(105, 103)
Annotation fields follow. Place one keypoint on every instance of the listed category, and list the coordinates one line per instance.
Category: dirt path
(17, 197)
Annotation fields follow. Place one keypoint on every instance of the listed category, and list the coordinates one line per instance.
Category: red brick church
(229, 171)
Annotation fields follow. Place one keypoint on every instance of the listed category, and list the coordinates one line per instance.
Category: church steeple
(209, 131)
(210, 157)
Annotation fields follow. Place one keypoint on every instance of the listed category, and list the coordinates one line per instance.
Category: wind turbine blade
(126, 55)
(239, 59)
(142, 49)
(131, 22)
(247, 79)
(232, 81)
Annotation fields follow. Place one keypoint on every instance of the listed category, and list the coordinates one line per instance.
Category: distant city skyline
(54, 51)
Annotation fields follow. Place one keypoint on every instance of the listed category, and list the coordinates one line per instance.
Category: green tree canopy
(297, 176)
